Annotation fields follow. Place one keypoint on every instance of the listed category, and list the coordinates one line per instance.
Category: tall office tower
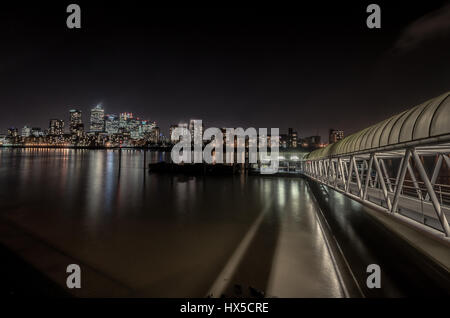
(292, 138)
(97, 119)
(56, 127)
(134, 128)
(146, 128)
(26, 131)
(76, 126)
(335, 135)
(111, 124)
(153, 136)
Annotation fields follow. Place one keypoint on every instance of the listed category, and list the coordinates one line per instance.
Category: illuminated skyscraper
(76, 126)
(134, 127)
(56, 127)
(111, 124)
(26, 131)
(97, 119)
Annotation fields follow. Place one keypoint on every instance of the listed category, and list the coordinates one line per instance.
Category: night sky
(311, 68)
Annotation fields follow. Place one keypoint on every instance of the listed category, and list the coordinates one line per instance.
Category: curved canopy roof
(429, 119)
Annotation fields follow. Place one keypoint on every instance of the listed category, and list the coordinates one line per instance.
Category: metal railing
(405, 188)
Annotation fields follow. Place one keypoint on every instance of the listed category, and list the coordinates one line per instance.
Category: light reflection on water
(164, 234)
(88, 189)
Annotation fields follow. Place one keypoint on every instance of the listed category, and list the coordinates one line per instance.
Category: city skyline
(307, 69)
(165, 130)
(102, 129)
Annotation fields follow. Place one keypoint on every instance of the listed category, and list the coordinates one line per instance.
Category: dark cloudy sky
(307, 67)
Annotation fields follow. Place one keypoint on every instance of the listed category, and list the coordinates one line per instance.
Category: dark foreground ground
(20, 279)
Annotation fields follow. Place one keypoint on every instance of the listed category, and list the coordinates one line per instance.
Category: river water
(168, 235)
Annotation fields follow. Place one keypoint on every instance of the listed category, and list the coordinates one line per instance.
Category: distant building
(155, 135)
(13, 132)
(292, 138)
(76, 126)
(313, 141)
(112, 123)
(133, 127)
(147, 128)
(196, 135)
(37, 132)
(335, 135)
(180, 125)
(123, 120)
(284, 141)
(171, 130)
(56, 127)
(97, 119)
(26, 132)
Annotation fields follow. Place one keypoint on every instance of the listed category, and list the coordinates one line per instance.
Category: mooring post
(145, 158)
(120, 160)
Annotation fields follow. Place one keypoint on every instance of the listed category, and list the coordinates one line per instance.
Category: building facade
(112, 124)
(56, 127)
(292, 138)
(97, 119)
(335, 135)
(76, 126)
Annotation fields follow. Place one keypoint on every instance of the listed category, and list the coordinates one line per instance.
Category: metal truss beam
(350, 173)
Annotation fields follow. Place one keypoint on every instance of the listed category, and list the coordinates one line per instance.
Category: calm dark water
(164, 235)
